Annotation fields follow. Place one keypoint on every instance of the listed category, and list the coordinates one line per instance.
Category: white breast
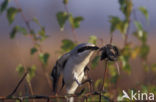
(73, 66)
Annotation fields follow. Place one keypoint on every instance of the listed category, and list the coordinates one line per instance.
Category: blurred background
(96, 22)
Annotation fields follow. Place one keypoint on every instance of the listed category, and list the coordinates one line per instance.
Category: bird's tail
(55, 74)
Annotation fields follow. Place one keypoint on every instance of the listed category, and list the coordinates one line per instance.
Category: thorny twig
(104, 77)
(73, 30)
(86, 95)
(19, 83)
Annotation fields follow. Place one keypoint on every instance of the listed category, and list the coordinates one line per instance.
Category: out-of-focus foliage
(33, 50)
(92, 39)
(4, 5)
(98, 84)
(117, 23)
(20, 69)
(128, 51)
(126, 7)
(144, 12)
(44, 57)
(31, 73)
(65, 2)
(18, 29)
(11, 13)
(67, 45)
(125, 56)
(62, 17)
(36, 36)
(75, 22)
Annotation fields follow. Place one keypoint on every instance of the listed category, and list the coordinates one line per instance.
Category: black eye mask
(87, 48)
(109, 52)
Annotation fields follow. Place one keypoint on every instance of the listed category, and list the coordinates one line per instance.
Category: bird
(72, 66)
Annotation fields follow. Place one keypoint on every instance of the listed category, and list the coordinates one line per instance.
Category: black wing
(57, 70)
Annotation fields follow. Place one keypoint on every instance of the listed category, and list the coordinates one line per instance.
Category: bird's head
(84, 49)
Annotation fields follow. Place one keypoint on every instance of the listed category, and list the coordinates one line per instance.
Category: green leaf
(17, 29)
(13, 32)
(126, 7)
(42, 32)
(113, 72)
(67, 45)
(65, 2)
(123, 27)
(125, 64)
(140, 33)
(138, 25)
(36, 21)
(44, 57)
(20, 69)
(135, 52)
(98, 83)
(144, 50)
(115, 21)
(33, 50)
(153, 67)
(62, 17)
(4, 5)
(11, 12)
(75, 22)
(92, 39)
(17, 100)
(21, 30)
(125, 57)
(144, 11)
(95, 61)
(31, 71)
(117, 24)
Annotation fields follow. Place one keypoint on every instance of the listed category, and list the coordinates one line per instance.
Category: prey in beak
(110, 53)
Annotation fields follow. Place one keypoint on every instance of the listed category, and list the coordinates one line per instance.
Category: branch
(73, 29)
(86, 95)
(127, 33)
(19, 83)
(104, 77)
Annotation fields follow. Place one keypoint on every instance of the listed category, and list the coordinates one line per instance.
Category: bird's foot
(90, 81)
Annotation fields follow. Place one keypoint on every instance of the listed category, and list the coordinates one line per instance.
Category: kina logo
(138, 96)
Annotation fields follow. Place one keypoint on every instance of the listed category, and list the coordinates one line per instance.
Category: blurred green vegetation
(127, 52)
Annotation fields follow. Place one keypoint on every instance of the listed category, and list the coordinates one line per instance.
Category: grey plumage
(72, 66)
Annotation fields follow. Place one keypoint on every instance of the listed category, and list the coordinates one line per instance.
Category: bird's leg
(86, 79)
(90, 81)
